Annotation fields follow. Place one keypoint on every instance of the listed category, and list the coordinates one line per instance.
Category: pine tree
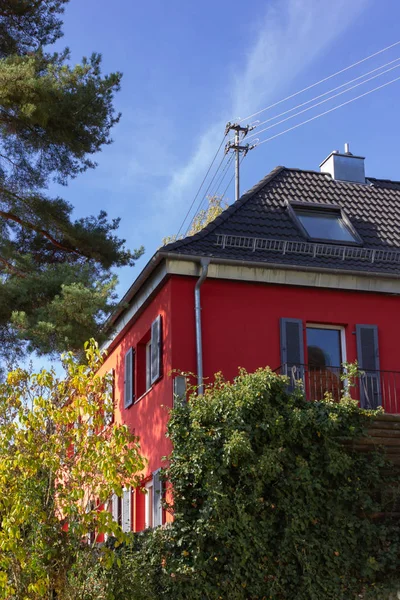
(56, 284)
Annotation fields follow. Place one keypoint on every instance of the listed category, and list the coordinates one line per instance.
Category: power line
(322, 81)
(217, 185)
(327, 99)
(223, 175)
(201, 185)
(327, 111)
(322, 95)
(231, 179)
(205, 193)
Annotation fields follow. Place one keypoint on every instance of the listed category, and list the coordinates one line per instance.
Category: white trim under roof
(163, 265)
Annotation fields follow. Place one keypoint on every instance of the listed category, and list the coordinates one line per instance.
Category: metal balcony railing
(371, 388)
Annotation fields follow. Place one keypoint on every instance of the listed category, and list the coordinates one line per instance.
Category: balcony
(371, 388)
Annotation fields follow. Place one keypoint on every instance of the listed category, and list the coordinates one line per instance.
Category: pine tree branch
(11, 267)
(43, 232)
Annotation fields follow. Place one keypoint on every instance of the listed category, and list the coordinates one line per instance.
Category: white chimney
(344, 167)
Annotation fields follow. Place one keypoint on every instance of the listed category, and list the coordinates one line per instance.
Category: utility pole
(238, 148)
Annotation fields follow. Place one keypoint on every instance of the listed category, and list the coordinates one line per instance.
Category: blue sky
(191, 66)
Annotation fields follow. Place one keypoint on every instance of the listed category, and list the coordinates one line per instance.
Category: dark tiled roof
(373, 208)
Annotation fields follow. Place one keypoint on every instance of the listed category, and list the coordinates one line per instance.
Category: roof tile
(373, 208)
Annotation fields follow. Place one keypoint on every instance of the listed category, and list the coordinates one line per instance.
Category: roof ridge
(297, 170)
(226, 213)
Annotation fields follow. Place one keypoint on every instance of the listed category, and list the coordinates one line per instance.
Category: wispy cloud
(290, 36)
(154, 174)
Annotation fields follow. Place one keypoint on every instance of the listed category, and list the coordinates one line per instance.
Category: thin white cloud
(284, 43)
(292, 34)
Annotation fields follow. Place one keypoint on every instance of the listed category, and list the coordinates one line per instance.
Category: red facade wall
(241, 328)
(148, 416)
(240, 322)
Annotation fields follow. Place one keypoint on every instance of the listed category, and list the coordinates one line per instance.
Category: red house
(301, 274)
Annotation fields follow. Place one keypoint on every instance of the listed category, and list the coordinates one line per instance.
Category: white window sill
(143, 395)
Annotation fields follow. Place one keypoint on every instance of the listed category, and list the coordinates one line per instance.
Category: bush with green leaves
(271, 501)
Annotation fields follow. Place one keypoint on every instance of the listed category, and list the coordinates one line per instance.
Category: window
(155, 351)
(319, 369)
(325, 223)
(121, 509)
(324, 347)
(129, 383)
(148, 365)
(149, 358)
(325, 353)
(180, 390)
(153, 501)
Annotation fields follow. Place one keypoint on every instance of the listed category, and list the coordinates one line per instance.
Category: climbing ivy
(271, 501)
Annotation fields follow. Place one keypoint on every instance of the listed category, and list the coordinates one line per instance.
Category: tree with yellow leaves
(61, 459)
(202, 218)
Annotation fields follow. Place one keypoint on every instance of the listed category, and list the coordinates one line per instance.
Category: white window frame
(148, 505)
(336, 328)
(342, 345)
(148, 366)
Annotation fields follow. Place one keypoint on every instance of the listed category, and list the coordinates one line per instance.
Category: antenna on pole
(238, 148)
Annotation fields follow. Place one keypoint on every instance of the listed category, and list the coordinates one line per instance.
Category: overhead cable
(327, 99)
(205, 193)
(231, 179)
(322, 95)
(359, 62)
(328, 111)
(223, 175)
(201, 185)
(217, 186)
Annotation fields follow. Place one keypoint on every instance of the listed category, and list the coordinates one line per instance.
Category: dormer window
(324, 223)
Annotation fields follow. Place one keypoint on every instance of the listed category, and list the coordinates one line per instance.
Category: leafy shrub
(270, 501)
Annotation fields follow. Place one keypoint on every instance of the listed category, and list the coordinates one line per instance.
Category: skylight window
(325, 224)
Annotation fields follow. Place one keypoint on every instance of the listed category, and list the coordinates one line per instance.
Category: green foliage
(270, 501)
(59, 465)
(54, 117)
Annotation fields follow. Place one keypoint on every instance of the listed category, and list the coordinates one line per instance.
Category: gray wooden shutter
(292, 349)
(126, 509)
(179, 389)
(110, 392)
(156, 349)
(114, 507)
(157, 498)
(129, 384)
(368, 361)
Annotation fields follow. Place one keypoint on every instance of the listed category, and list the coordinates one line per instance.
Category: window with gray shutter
(179, 389)
(157, 498)
(368, 361)
(129, 384)
(156, 349)
(292, 349)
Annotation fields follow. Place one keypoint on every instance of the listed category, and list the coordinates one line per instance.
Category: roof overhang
(164, 264)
